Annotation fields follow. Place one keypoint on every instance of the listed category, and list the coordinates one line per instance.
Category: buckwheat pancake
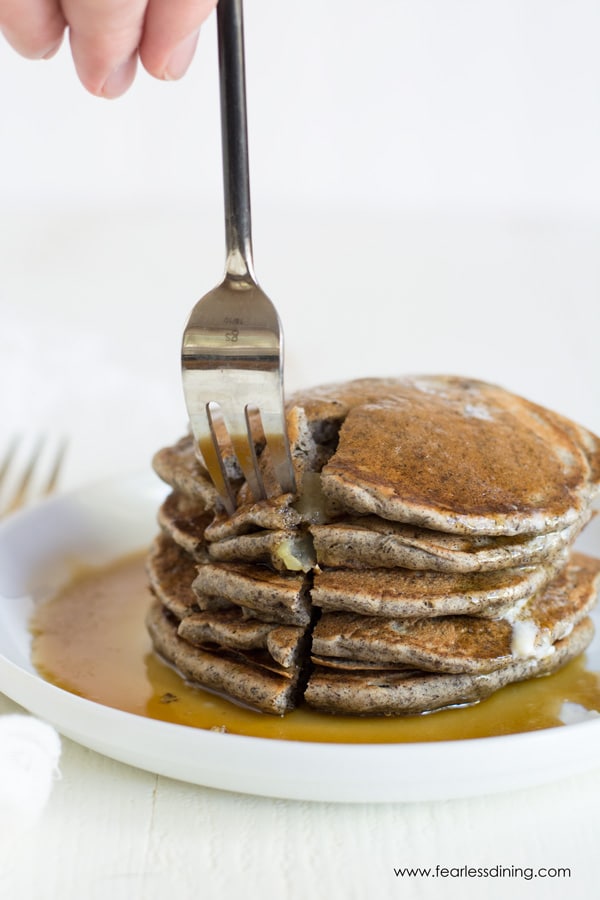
(276, 514)
(290, 550)
(464, 643)
(369, 541)
(179, 467)
(185, 521)
(410, 593)
(230, 628)
(568, 597)
(460, 456)
(190, 526)
(170, 573)
(278, 597)
(374, 692)
(256, 680)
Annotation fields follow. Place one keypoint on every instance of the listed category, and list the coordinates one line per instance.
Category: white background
(426, 196)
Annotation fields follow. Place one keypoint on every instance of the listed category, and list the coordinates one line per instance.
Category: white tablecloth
(92, 309)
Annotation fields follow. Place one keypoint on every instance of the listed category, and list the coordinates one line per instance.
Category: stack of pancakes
(426, 560)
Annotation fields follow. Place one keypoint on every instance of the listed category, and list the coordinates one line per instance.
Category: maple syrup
(90, 640)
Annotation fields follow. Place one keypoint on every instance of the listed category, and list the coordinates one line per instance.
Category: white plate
(37, 551)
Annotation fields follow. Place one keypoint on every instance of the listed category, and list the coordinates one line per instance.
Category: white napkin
(29, 755)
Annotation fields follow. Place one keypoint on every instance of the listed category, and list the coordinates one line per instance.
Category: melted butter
(90, 640)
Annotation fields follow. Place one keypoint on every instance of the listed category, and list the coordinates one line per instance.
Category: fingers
(171, 34)
(34, 28)
(105, 35)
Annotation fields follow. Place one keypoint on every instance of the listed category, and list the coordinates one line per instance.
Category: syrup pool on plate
(90, 640)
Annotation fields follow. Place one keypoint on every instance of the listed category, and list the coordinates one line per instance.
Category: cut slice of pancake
(285, 551)
(266, 687)
(232, 630)
(228, 628)
(179, 467)
(171, 573)
(307, 456)
(408, 593)
(273, 515)
(274, 596)
(377, 693)
(461, 456)
(457, 644)
(371, 542)
(185, 521)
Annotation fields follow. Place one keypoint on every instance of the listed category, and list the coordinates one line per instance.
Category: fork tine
(208, 443)
(255, 437)
(8, 457)
(279, 449)
(239, 428)
(55, 471)
(18, 497)
(272, 413)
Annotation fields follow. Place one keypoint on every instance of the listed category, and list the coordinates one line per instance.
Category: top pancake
(447, 453)
(452, 454)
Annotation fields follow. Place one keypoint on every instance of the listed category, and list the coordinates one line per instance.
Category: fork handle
(234, 137)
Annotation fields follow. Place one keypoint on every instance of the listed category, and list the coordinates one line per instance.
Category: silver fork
(35, 475)
(232, 349)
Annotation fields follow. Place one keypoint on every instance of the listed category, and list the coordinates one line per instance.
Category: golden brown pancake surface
(459, 456)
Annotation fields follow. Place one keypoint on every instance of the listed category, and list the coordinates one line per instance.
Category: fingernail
(53, 50)
(181, 57)
(43, 53)
(119, 79)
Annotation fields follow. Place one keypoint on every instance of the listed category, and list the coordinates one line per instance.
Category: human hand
(109, 36)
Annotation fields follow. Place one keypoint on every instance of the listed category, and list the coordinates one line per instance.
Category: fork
(232, 348)
(29, 480)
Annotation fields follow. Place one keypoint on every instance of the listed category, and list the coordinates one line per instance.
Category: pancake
(185, 521)
(273, 596)
(371, 542)
(171, 573)
(183, 587)
(179, 467)
(409, 593)
(189, 526)
(327, 406)
(461, 456)
(377, 693)
(231, 629)
(276, 514)
(566, 600)
(285, 551)
(264, 686)
(457, 644)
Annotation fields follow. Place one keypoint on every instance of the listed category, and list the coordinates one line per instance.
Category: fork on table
(232, 348)
(28, 471)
